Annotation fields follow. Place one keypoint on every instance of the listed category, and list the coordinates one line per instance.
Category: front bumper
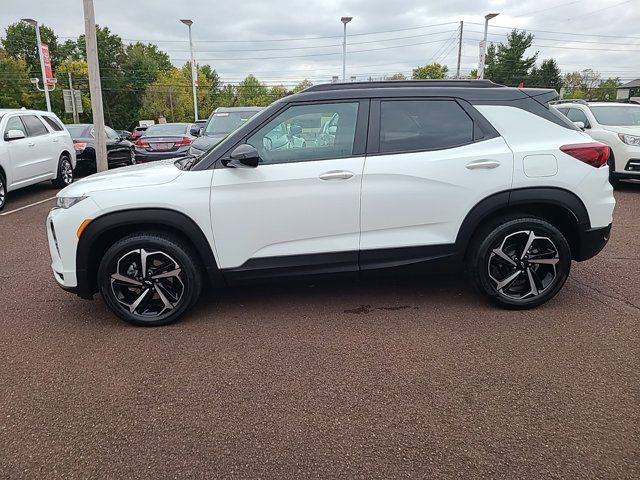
(591, 241)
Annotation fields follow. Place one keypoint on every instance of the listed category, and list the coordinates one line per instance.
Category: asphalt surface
(388, 379)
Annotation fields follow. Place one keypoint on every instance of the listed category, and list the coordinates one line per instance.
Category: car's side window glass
(53, 123)
(576, 115)
(411, 125)
(111, 134)
(34, 125)
(14, 123)
(308, 132)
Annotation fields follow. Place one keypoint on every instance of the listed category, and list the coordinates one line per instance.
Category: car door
(299, 210)
(118, 151)
(429, 162)
(19, 152)
(32, 157)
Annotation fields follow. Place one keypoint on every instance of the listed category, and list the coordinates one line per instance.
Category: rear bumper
(591, 241)
(143, 157)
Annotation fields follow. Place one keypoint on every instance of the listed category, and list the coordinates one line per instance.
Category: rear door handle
(336, 175)
(483, 164)
(31, 144)
(55, 140)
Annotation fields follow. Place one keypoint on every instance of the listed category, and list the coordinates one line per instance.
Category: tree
(607, 89)
(301, 86)
(397, 76)
(276, 92)
(79, 76)
(169, 96)
(506, 63)
(547, 76)
(432, 71)
(20, 42)
(582, 84)
(15, 89)
(473, 74)
(252, 93)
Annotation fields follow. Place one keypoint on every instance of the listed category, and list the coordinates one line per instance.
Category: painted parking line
(27, 206)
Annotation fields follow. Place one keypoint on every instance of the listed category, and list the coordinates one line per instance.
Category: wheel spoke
(532, 283)
(136, 304)
(124, 279)
(544, 261)
(167, 304)
(143, 262)
(171, 273)
(527, 246)
(508, 280)
(499, 253)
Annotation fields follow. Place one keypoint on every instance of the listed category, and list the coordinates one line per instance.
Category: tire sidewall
(3, 202)
(494, 238)
(191, 277)
(59, 181)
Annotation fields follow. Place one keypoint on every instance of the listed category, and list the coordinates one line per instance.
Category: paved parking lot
(400, 378)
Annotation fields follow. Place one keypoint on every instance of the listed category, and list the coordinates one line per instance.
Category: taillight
(184, 141)
(79, 146)
(594, 154)
(141, 143)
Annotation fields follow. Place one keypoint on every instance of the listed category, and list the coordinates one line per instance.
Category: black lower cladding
(591, 242)
(403, 260)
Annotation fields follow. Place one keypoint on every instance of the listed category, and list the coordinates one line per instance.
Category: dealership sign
(47, 64)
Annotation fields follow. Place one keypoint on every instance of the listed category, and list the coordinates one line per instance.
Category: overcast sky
(245, 36)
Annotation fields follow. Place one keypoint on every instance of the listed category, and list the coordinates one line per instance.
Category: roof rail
(404, 83)
(571, 100)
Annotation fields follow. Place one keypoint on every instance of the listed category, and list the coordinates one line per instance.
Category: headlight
(629, 139)
(68, 202)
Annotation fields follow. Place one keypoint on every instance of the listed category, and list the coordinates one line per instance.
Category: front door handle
(483, 164)
(336, 175)
(31, 144)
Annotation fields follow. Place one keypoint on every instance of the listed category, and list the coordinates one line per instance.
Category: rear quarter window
(414, 125)
(53, 123)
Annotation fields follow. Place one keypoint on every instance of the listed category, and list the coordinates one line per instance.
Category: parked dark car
(126, 134)
(119, 150)
(221, 123)
(164, 140)
(137, 133)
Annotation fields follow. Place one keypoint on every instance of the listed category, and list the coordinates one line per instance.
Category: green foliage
(20, 42)
(506, 63)
(547, 76)
(14, 82)
(606, 91)
(585, 85)
(397, 76)
(432, 71)
(301, 86)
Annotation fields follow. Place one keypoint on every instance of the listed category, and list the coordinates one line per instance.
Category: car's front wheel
(3, 192)
(150, 279)
(520, 263)
(65, 172)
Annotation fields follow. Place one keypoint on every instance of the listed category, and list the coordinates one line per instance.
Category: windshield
(75, 130)
(618, 116)
(227, 122)
(167, 129)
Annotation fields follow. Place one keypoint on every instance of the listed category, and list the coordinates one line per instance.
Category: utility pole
(73, 101)
(95, 86)
(483, 44)
(45, 85)
(459, 50)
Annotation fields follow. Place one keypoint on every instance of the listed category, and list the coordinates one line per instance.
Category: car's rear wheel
(614, 179)
(3, 192)
(520, 263)
(65, 172)
(150, 279)
(132, 154)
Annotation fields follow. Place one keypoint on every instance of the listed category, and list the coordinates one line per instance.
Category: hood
(631, 130)
(142, 175)
(208, 141)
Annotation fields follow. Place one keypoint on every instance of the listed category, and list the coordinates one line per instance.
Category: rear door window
(34, 125)
(414, 125)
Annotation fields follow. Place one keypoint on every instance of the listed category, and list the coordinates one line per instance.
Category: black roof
(470, 90)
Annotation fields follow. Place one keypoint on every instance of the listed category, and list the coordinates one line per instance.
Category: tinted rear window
(410, 125)
(167, 129)
(76, 131)
(53, 123)
(34, 125)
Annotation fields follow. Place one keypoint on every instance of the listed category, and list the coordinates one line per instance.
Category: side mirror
(201, 132)
(14, 135)
(244, 156)
(580, 125)
(195, 131)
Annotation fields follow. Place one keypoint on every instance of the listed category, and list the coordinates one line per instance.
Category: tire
(512, 275)
(132, 160)
(65, 172)
(142, 299)
(3, 192)
(614, 180)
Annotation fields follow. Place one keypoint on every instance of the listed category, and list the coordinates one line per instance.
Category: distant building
(629, 92)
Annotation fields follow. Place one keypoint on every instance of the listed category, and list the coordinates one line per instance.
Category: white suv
(34, 147)
(614, 124)
(384, 175)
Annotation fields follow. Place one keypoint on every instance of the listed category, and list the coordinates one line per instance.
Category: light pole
(344, 21)
(194, 80)
(483, 45)
(33, 22)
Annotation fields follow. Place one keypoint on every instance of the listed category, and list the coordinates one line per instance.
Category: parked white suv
(34, 147)
(614, 124)
(407, 175)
